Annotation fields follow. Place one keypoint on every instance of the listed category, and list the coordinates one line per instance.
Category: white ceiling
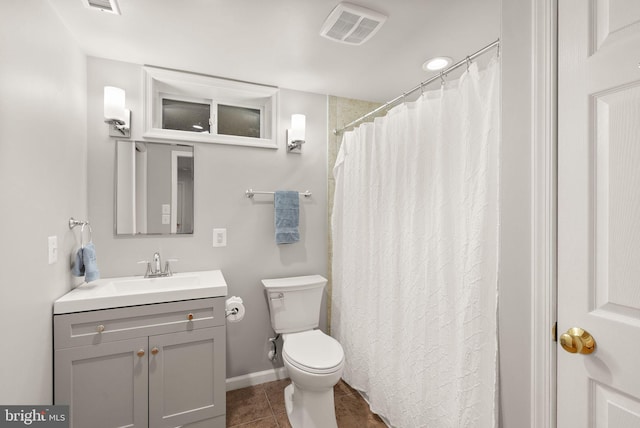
(277, 42)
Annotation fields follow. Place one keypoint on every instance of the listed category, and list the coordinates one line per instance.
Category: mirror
(154, 188)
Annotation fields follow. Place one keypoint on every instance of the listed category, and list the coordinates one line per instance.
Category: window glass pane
(185, 116)
(239, 121)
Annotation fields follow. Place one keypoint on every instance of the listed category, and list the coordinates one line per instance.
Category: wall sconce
(295, 135)
(118, 117)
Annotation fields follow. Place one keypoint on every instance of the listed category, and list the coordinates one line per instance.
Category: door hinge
(554, 332)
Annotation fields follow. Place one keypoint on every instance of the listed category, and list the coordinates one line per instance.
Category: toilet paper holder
(234, 309)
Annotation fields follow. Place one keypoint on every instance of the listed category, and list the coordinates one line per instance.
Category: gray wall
(44, 182)
(222, 174)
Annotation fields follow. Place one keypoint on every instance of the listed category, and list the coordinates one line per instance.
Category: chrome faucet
(156, 263)
(155, 270)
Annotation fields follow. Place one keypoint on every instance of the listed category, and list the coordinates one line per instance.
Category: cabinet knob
(100, 328)
(140, 353)
(155, 350)
(190, 317)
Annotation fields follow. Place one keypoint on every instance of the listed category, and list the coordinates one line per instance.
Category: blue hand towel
(78, 265)
(287, 214)
(91, 272)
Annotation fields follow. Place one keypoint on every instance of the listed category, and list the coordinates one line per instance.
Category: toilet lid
(313, 351)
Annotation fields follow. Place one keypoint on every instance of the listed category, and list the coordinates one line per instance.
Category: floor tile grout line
(273, 412)
(266, 396)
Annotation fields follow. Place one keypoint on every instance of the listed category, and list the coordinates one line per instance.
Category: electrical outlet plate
(219, 237)
(53, 249)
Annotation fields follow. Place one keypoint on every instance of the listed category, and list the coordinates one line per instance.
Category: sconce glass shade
(114, 100)
(297, 127)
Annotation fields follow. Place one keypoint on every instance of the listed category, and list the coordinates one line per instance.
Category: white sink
(136, 290)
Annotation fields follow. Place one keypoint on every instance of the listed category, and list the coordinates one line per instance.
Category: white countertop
(136, 290)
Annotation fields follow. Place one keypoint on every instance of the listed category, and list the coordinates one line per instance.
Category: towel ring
(73, 223)
(82, 234)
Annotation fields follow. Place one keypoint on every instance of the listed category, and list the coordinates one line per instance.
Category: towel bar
(250, 192)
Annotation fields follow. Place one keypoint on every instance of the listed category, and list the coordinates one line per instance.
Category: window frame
(190, 87)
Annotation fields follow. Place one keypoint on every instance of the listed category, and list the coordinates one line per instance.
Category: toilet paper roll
(234, 309)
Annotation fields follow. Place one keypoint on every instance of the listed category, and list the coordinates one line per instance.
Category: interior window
(182, 106)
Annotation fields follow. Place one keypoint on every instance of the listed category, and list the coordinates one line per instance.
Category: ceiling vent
(352, 24)
(110, 6)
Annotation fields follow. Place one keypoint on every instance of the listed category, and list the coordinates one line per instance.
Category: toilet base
(310, 409)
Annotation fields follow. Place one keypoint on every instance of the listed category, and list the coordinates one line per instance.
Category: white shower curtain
(415, 256)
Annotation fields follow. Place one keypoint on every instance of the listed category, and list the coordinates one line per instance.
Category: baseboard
(256, 378)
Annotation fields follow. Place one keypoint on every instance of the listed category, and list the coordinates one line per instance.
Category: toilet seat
(313, 351)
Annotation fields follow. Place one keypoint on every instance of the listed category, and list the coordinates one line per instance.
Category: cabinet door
(105, 385)
(186, 377)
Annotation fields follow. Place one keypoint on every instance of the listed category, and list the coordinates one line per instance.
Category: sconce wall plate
(121, 131)
(293, 145)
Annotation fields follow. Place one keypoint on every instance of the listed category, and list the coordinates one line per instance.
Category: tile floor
(262, 406)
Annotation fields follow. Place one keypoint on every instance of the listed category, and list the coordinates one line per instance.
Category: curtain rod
(421, 85)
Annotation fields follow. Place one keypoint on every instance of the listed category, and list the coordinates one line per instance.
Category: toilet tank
(294, 303)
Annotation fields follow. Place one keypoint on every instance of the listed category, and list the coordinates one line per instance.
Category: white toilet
(313, 360)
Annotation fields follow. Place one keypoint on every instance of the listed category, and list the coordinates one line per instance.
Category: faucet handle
(146, 274)
(167, 267)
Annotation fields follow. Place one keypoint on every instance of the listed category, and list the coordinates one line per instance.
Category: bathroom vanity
(155, 364)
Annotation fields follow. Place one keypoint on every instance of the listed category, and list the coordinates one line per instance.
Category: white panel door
(599, 211)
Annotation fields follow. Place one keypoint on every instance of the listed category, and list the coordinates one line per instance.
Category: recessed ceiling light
(437, 63)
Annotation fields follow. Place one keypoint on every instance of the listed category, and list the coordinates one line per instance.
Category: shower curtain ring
(442, 82)
(468, 63)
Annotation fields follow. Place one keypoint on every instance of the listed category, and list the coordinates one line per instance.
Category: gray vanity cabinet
(156, 366)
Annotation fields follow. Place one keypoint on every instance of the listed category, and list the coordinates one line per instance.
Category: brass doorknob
(140, 353)
(577, 341)
(155, 350)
